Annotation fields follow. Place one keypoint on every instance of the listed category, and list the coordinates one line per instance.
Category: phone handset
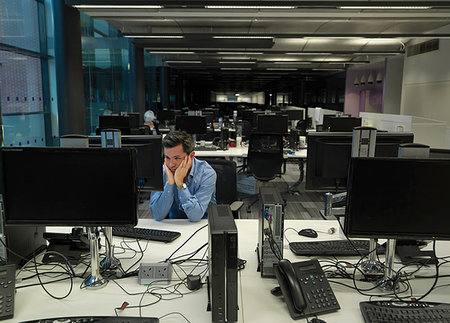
(288, 272)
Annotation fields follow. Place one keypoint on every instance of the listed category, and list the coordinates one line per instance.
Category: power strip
(156, 272)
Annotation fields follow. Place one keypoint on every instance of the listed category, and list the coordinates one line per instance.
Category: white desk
(256, 302)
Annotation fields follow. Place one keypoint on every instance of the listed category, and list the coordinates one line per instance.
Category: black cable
(182, 245)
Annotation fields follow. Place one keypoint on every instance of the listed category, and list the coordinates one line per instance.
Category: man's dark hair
(174, 138)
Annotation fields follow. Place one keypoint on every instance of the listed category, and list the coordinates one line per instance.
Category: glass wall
(106, 71)
(23, 97)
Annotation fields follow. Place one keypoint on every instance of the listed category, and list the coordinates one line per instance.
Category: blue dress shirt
(192, 202)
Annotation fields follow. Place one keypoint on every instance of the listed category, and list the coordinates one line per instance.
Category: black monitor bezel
(156, 182)
(315, 183)
(129, 219)
(386, 231)
(196, 125)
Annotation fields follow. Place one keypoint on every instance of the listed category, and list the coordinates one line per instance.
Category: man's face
(174, 156)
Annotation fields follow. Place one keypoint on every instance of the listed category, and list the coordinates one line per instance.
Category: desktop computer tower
(270, 230)
(223, 260)
(18, 241)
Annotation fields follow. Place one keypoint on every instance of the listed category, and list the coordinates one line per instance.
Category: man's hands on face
(182, 170)
(170, 177)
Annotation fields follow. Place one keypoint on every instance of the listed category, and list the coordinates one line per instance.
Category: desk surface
(236, 152)
(255, 300)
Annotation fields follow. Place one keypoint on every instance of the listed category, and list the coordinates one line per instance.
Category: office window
(22, 96)
(19, 24)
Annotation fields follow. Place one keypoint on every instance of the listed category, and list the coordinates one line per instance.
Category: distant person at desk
(189, 183)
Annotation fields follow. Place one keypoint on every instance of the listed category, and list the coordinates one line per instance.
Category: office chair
(265, 157)
(226, 184)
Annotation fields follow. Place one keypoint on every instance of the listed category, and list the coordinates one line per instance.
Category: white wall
(393, 85)
(426, 84)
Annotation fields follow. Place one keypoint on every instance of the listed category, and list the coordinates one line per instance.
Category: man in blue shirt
(189, 183)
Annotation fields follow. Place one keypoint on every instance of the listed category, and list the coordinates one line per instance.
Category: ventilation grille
(425, 47)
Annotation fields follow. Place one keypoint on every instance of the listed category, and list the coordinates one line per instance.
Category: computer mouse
(310, 233)
(317, 320)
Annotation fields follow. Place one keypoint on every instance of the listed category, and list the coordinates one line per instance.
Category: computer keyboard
(98, 319)
(206, 148)
(333, 248)
(147, 234)
(387, 311)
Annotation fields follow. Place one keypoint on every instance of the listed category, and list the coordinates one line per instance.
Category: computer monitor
(398, 198)
(268, 123)
(293, 114)
(191, 124)
(343, 124)
(165, 115)
(329, 154)
(149, 158)
(326, 121)
(439, 153)
(122, 122)
(69, 186)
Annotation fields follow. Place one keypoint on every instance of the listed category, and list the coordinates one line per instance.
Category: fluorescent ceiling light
(183, 62)
(385, 7)
(235, 68)
(165, 52)
(248, 7)
(312, 53)
(237, 62)
(99, 6)
(281, 69)
(292, 62)
(243, 37)
(240, 53)
(153, 36)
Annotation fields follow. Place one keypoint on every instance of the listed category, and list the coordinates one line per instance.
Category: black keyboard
(333, 248)
(98, 319)
(206, 148)
(147, 234)
(387, 311)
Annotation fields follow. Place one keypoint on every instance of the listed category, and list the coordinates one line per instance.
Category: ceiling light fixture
(166, 52)
(237, 62)
(385, 7)
(98, 6)
(183, 62)
(292, 62)
(240, 53)
(243, 37)
(248, 7)
(311, 53)
(154, 36)
(235, 68)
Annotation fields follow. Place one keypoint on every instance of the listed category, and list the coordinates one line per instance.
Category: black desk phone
(305, 288)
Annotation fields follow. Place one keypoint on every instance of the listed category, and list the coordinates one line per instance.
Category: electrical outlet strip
(155, 272)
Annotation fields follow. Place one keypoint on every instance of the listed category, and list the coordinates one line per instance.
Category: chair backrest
(265, 155)
(226, 186)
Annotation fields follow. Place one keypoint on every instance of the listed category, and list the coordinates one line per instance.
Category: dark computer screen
(439, 153)
(115, 121)
(293, 114)
(267, 123)
(329, 154)
(69, 186)
(398, 198)
(191, 124)
(343, 124)
(165, 115)
(326, 121)
(149, 158)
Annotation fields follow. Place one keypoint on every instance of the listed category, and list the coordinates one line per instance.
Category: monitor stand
(95, 279)
(387, 282)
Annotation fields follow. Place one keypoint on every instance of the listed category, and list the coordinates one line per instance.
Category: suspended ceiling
(244, 48)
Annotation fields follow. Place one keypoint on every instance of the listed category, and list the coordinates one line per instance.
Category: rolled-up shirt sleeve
(161, 202)
(195, 205)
